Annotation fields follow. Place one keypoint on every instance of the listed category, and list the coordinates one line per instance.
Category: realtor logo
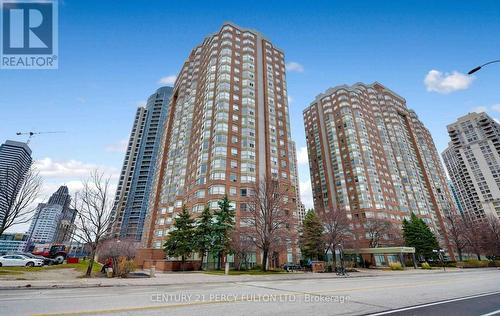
(29, 34)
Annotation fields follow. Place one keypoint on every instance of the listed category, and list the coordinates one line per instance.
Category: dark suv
(291, 267)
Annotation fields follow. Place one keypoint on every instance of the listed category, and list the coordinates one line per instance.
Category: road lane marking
(492, 313)
(366, 288)
(237, 300)
(392, 311)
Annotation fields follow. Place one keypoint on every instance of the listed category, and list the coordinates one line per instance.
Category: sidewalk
(177, 278)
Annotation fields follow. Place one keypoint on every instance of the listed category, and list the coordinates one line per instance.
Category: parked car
(290, 266)
(19, 261)
(46, 261)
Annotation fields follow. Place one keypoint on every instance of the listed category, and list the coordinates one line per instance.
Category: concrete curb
(28, 286)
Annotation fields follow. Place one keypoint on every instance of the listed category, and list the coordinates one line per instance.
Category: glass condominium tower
(473, 162)
(228, 128)
(371, 156)
(136, 178)
(15, 161)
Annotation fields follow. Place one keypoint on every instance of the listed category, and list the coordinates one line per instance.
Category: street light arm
(479, 67)
(491, 62)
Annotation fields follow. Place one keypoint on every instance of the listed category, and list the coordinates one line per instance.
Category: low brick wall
(169, 265)
(144, 254)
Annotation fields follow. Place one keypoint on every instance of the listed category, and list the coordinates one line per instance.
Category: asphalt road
(481, 304)
(452, 293)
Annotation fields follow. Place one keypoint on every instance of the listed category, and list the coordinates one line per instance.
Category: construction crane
(31, 134)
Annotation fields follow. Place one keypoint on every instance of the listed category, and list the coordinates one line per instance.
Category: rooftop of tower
(243, 29)
(469, 116)
(353, 87)
(22, 145)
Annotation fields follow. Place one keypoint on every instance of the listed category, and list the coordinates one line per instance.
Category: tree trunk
(91, 263)
(264, 259)
(115, 265)
(246, 262)
(459, 254)
(2, 228)
(202, 257)
(478, 256)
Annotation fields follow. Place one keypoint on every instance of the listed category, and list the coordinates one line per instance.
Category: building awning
(381, 250)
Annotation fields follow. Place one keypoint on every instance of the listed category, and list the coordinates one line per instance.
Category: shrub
(426, 266)
(473, 263)
(125, 266)
(494, 263)
(438, 264)
(395, 266)
(256, 267)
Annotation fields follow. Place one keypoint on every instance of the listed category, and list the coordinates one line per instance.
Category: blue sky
(112, 55)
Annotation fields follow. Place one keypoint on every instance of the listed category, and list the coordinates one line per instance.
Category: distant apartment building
(66, 226)
(301, 209)
(12, 242)
(53, 221)
(456, 199)
(372, 157)
(301, 213)
(473, 162)
(132, 196)
(228, 128)
(15, 161)
(43, 227)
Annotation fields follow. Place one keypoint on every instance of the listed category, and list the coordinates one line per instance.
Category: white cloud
(119, 147)
(290, 100)
(49, 187)
(495, 108)
(70, 169)
(294, 67)
(302, 157)
(306, 194)
(141, 103)
(479, 109)
(70, 173)
(440, 82)
(168, 80)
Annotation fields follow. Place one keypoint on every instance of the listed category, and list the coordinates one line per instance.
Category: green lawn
(248, 272)
(4, 271)
(81, 266)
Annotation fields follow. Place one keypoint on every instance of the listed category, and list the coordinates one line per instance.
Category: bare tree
(490, 233)
(472, 236)
(456, 233)
(267, 217)
(337, 228)
(381, 232)
(93, 213)
(17, 196)
(117, 249)
(242, 246)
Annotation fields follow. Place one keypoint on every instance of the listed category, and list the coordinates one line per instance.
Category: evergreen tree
(180, 240)
(203, 237)
(311, 240)
(417, 234)
(222, 228)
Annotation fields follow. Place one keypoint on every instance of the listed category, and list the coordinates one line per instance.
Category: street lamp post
(440, 252)
(479, 67)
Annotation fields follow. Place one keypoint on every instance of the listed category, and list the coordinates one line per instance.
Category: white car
(19, 261)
